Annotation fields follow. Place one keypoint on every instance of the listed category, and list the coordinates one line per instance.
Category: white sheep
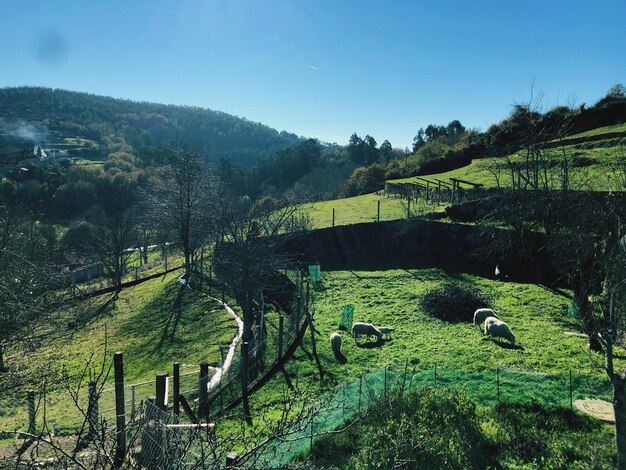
(367, 329)
(335, 343)
(498, 329)
(482, 314)
(385, 330)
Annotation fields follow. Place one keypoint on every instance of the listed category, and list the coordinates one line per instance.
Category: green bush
(443, 428)
(429, 428)
(454, 302)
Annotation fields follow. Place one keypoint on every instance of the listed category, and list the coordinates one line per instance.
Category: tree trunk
(619, 407)
(584, 307)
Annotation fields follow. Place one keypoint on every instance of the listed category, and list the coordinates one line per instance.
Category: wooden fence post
(120, 425)
(203, 392)
(176, 388)
(161, 390)
(333, 216)
(30, 397)
(378, 215)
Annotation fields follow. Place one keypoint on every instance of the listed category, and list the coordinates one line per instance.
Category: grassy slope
(391, 298)
(599, 131)
(602, 161)
(360, 209)
(463, 356)
(150, 323)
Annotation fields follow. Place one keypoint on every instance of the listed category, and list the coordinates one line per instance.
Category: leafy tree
(356, 149)
(371, 152)
(617, 91)
(386, 151)
(418, 140)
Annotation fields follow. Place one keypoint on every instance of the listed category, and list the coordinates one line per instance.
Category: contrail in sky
(313, 67)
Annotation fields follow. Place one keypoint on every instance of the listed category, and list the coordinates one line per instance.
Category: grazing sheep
(482, 314)
(335, 343)
(367, 329)
(385, 330)
(498, 329)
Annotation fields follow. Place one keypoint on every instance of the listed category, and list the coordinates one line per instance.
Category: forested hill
(68, 114)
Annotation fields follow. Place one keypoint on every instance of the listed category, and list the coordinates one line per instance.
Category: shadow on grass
(341, 359)
(177, 308)
(504, 345)
(371, 345)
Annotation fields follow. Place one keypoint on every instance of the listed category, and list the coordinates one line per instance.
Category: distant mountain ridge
(141, 124)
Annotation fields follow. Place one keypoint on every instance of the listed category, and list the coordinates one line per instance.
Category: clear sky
(322, 68)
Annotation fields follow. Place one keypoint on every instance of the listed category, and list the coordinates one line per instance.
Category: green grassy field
(153, 324)
(441, 353)
(595, 166)
(361, 209)
(537, 315)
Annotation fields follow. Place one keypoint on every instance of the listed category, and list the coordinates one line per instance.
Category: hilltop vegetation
(59, 114)
(440, 149)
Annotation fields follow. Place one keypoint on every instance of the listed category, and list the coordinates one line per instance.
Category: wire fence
(158, 438)
(67, 411)
(350, 401)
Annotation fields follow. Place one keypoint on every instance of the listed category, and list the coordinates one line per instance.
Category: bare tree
(27, 271)
(249, 256)
(179, 200)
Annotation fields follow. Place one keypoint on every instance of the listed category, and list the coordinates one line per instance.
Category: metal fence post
(133, 403)
(281, 327)
(571, 401)
(385, 384)
(360, 388)
(498, 381)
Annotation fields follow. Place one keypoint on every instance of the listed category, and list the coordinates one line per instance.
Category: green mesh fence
(316, 275)
(346, 318)
(485, 387)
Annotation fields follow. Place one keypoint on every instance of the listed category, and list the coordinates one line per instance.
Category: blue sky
(322, 68)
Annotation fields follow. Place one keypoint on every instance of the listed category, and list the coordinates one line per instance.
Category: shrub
(429, 428)
(454, 302)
